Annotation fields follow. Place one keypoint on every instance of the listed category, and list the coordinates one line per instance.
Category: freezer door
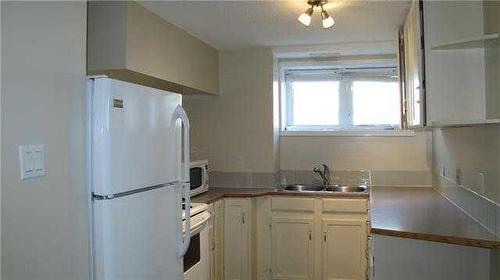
(133, 143)
(137, 236)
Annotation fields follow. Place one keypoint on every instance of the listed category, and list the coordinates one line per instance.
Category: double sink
(329, 188)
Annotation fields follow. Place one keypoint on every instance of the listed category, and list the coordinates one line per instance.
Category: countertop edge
(264, 192)
(472, 242)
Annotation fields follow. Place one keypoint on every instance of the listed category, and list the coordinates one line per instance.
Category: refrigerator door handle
(185, 184)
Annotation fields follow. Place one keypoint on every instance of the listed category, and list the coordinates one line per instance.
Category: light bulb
(327, 21)
(305, 18)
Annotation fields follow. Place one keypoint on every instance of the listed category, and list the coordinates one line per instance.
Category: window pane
(315, 102)
(376, 103)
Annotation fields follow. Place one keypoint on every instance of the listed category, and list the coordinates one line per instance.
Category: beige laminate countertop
(407, 212)
(423, 213)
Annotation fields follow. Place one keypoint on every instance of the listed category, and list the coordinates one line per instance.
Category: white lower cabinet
(294, 238)
(344, 253)
(292, 251)
(237, 239)
(320, 238)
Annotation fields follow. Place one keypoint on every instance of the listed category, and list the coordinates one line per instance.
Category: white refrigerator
(138, 170)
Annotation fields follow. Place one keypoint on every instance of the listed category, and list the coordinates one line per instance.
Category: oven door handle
(200, 225)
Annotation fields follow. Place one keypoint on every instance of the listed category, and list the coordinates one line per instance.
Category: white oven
(198, 175)
(196, 259)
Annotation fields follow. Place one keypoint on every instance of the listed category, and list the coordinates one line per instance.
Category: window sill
(350, 133)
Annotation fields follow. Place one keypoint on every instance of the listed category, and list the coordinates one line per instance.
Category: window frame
(346, 77)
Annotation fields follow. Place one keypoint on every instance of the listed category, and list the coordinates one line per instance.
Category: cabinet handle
(243, 217)
(324, 236)
(310, 235)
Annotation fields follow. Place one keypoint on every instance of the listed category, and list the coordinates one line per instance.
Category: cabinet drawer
(344, 205)
(292, 204)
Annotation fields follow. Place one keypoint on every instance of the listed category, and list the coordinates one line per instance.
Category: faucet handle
(320, 167)
(325, 167)
(327, 173)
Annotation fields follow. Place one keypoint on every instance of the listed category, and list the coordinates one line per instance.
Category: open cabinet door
(414, 82)
(400, 57)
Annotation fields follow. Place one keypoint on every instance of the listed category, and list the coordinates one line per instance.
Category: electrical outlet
(443, 171)
(458, 176)
(482, 182)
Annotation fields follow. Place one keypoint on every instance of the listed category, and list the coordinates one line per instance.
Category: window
(341, 99)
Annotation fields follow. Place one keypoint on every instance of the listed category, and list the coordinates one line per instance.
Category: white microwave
(198, 175)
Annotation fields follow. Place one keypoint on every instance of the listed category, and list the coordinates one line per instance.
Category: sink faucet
(324, 173)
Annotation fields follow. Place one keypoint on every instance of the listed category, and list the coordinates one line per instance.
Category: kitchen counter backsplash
(344, 177)
(243, 179)
(482, 209)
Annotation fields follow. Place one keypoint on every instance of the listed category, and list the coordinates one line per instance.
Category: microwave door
(196, 177)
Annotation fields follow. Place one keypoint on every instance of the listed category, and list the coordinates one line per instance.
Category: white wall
(44, 220)
(357, 153)
(235, 131)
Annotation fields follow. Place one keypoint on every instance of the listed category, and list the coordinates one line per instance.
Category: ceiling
(230, 25)
(244, 24)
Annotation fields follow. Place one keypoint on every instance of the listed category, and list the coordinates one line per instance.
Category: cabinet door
(344, 249)
(413, 64)
(216, 240)
(211, 240)
(237, 239)
(292, 251)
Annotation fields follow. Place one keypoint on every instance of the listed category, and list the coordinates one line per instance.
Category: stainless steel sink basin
(345, 189)
(304, 188)
(318, 188)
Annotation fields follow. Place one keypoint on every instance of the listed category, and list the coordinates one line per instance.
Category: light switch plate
(32, 161)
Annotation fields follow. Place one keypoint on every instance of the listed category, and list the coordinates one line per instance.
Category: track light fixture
(305, 18)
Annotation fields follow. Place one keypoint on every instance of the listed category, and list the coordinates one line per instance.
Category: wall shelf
(466, 43)
(464, 123)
